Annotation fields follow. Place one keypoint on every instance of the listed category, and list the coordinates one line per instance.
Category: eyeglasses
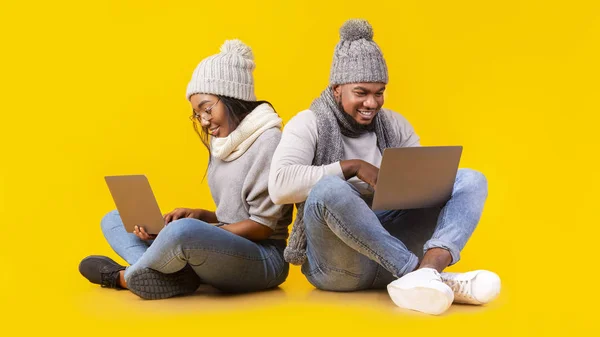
(204, 116)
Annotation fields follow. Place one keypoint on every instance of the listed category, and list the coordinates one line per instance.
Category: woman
(244, 250)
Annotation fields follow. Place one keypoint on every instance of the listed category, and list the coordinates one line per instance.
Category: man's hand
(361, 169)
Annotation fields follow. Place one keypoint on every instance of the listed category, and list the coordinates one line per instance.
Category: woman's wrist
(205, 215)
(199, 214)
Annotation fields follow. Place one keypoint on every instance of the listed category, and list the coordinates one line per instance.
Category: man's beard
(361, 128)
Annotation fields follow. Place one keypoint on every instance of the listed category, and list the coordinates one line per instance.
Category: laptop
(416, 177)
(135, 202)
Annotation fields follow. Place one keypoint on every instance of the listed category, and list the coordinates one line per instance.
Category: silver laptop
(416, 177)
(135, 202)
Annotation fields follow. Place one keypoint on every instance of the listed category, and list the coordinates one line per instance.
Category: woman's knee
(186, 228)
(111, 220)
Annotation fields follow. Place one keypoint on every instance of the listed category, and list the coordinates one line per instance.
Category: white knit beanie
(228, 73)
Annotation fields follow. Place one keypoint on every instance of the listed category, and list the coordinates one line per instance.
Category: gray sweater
(240, 187)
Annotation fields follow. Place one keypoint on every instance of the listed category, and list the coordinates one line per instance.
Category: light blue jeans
(351, 247)
(222, 259)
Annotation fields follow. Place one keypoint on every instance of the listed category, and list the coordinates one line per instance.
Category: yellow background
(97, 88)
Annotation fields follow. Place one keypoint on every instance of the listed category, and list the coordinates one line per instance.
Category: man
(327, 163)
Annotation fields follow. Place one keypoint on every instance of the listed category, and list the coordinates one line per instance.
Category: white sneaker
(474, 287)
(421, 290)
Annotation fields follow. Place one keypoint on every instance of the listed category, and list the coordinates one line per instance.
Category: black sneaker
(150, 284)
(101, 270)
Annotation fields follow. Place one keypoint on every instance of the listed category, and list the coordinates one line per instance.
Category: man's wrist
(350, 167)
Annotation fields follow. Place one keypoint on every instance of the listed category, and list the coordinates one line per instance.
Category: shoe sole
(150, 284)
(431, 301)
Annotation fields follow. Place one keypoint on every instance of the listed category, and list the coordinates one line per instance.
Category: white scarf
(229, 148)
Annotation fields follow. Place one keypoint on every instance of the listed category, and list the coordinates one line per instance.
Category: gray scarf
(332, 123)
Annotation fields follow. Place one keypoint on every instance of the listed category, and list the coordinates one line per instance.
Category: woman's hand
(140, 232)
(180, 213)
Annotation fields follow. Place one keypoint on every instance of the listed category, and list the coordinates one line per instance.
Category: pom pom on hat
(237, 47)
(356, 29)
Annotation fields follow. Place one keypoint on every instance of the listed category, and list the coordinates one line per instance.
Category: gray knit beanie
(357, 58)
(228, 73)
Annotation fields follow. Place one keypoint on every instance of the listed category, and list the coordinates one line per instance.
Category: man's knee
(326, 189)
(472, 180)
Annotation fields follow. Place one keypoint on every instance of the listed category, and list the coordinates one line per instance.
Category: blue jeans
(351, 247)
(222, 259)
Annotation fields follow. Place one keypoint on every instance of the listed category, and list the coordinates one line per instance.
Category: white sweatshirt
(292, 175)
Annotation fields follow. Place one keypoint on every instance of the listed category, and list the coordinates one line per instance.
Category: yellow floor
(62, 302)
